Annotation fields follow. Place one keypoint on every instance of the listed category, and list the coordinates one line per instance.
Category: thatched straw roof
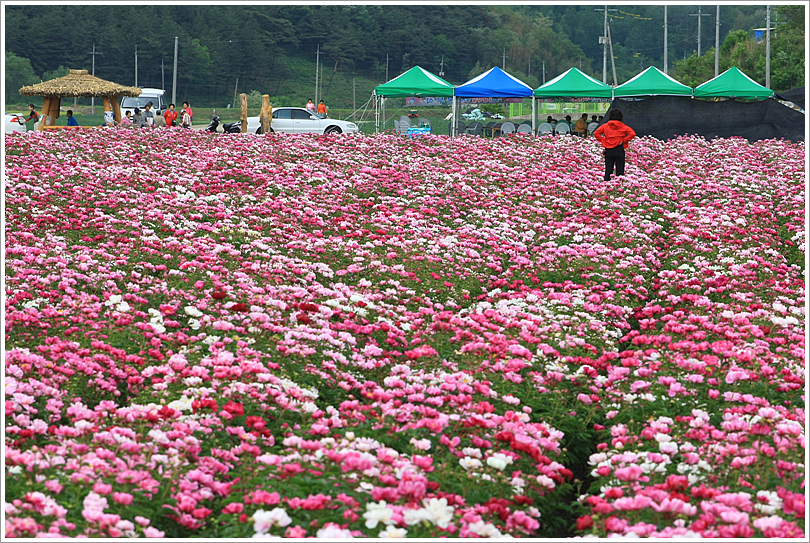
(79, 83)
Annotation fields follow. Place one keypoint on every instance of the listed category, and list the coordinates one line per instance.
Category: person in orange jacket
(614, 136)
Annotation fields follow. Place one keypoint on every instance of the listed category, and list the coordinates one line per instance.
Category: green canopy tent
(572, 84)
(733, 84)
(652, 82)
(415, 82)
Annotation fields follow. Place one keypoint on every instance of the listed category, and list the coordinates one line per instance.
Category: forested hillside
(272, 48)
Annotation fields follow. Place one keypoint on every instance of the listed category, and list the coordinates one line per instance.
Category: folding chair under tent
(494, 83)
(415, 82)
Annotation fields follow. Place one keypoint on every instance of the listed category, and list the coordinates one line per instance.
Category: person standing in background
(322, 110)
(614, 136)
(311, 106)
(33, 116)
(170, 115)
(71, 120)
(186, 116)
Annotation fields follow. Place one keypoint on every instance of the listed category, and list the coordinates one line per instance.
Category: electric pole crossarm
(698, 15)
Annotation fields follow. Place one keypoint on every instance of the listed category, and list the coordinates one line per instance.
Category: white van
(147, 95)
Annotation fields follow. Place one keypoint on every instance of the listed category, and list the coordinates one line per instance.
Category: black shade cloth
(666, 117)
(793, 95)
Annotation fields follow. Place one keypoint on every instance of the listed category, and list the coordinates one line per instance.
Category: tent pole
(453, 118)
(534, 117)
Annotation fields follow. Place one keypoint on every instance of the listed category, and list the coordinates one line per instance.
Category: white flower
(414, 516)
(470, 463)
(122, 307)
(333, 531)
(499, 461)
(545, 481)
(438, 512)
(264, 520)
(668, 447)
(192, 311)
(182, 404)
(472, 451)
(392, 531)
(376, 513)
(484, 529)
(421, 444)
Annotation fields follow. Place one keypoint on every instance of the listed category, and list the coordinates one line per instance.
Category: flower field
(369, 336)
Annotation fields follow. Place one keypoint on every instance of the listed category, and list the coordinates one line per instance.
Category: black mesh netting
(793, 95)
(666, 117)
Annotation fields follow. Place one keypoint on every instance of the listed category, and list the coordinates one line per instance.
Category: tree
(19, 73)
(61, 71)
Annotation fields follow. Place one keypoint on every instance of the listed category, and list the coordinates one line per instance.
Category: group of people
(579, 128)
(146, 117)
(321, 110)
(33, 116)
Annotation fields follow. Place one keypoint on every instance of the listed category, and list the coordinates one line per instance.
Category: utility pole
(386, 67)
(317, 71)
(174, 74)
(529, 73)
(768, 46)
(544, 72)
(354, 96)
(504, 60)
(604, 41)
(666, 63)
(717, 43)
(136, 64)
(162, 75)
(441, 68)
(93, 100)
(612, 60)
(698, 15)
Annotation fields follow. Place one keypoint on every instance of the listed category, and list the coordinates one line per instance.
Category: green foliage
(19, 73)
(61, 71)
(741, 50)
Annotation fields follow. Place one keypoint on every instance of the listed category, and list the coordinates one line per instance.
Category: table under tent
(416, 82)
(494, 83)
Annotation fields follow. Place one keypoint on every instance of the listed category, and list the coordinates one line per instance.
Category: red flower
(234, 408)
(218, 295)
(585, 522)
(307, 306)
(303, 318)
(240, 307)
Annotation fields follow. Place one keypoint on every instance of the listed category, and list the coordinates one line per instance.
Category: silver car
(12, 123)
(299, 120)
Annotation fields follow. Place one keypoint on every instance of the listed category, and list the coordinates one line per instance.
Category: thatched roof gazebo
(78, 83)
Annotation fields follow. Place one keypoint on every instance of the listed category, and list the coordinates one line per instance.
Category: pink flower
(123, 498)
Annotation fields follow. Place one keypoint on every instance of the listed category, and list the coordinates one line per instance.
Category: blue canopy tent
(494, 83)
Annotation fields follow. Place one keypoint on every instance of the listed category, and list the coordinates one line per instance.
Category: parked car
(129, 103)
(13, 123)
(298, 120)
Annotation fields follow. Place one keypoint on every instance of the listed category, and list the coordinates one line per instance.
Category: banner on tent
(572, 99)
(447, 100)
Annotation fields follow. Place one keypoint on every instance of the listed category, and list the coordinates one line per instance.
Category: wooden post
(46, 110)
(266, 116)
(243, 103)
(108, 114)
(116, 109)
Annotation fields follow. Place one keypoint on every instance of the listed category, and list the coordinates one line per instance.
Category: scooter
(228, 128)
